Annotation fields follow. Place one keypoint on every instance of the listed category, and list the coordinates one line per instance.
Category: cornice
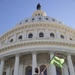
(36, 43)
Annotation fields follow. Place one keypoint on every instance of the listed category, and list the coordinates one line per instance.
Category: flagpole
(48, 64)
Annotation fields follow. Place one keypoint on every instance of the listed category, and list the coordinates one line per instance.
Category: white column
(16, 66)
(34, 62)
(70, 64)
(53, 69)
(21, 69)
(8, 71)
(1, 66)
(65, 69)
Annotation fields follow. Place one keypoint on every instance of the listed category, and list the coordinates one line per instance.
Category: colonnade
(34, 64)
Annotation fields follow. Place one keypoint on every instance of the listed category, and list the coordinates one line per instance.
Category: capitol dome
(33, 42)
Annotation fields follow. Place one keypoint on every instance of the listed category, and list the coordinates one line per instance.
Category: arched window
(32, 19)
(41, 34)
(26, 20)
(58, 71)
(46, 18)
(20, 37)
(4, 73)
(42, 68)
(52, 35)
(30, 35)
(53, 19)
(62, 36)
(28, 70)
(40, 18)
(11, 40)
(71, 39)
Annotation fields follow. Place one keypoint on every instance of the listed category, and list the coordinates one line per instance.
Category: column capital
(2, 59)
(17, 54)
(34, 52)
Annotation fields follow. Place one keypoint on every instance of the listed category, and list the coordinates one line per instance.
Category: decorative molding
(36, 43)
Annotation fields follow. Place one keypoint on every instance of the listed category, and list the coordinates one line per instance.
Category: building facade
(33, 42)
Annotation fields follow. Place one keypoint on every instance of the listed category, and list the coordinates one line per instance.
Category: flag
(57, 61)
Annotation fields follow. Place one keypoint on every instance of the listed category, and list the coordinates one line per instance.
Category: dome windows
(39, 18)
(26, 20)
(11, 40)
(52, 35)
(41, 34)
(46, 18)
(20, 23)
(20, 37)
(71, 39)
(30, 35)
(32, 19)
(53, 20)
(38, 14)
(62, 36)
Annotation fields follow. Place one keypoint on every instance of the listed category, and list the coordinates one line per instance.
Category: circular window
(30, 35)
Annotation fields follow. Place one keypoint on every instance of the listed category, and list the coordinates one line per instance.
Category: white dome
(39, 16)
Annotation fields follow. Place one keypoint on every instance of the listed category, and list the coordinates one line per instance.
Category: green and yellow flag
(57, 61)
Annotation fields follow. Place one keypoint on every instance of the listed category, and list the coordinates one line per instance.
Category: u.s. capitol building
(33, 42)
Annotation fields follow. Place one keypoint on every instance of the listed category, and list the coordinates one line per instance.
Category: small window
(41, 34)
(32, 19)
(59, 22)
(71, 39)
(62, 36)
(11, 40)
(30, 35)
(46, 18)
(26, 21)
(20, 23)
(53, 19)
(38, 14)
(39, 18)
(35, 14)
(52, 35)
(20, 37)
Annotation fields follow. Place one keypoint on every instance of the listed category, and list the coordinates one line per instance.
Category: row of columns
(34, 64)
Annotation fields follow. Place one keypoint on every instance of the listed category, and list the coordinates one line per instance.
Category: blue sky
(13, 11)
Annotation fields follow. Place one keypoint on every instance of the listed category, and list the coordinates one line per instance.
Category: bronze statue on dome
(38, 6)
